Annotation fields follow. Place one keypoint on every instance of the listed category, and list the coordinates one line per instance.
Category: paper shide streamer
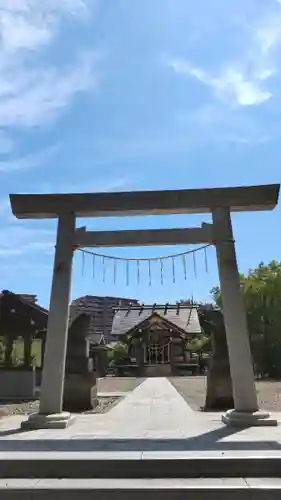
(93, 265)
(162, 271)
(127, 272)
(181, 257)
(149, 272)
(174, 269)
(184, 266)
(103, 269)
(138, 272)
(83, 263)
(114, 271)
(194, 265)
(206, 260)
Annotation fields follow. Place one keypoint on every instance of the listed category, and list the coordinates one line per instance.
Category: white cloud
(232, 84)
(27, 24)
(18, 33)
(38, 95)
(32, 90)
(268, 33)
(245, 80)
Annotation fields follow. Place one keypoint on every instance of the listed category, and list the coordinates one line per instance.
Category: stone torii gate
(219, 201)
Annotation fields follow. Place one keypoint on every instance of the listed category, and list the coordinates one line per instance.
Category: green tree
(262, 296)
(199, 344)
(118, 353)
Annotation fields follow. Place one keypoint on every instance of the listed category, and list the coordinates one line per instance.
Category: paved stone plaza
(153, 418)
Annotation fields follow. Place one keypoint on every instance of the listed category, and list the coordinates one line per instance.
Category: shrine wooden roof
(20, 313)
(25, 299)
(184, 317)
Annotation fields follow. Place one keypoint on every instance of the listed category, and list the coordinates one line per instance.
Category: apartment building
(101, 310)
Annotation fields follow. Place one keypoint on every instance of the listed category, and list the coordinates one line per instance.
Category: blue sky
(106, 95)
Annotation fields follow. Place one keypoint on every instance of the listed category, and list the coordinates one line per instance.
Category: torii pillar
(50, 410)
(220, 202)
(246, 412)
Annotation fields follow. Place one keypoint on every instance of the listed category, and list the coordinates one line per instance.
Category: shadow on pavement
(209, 441)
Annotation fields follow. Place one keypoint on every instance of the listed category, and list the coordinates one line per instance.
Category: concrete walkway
(154, 408)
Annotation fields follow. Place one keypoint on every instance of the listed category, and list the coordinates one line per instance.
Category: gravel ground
(106, 385)
(28, 407)
(193, 389)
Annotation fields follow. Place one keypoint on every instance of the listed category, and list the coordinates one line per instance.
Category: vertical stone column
(43, 344)
(172, 356)
(138, 343)
(50, 411)
(241, 368)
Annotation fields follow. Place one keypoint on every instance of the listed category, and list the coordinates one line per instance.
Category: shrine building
(157, 336)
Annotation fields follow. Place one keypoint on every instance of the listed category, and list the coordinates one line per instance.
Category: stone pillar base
(235, 418)
(48, 421)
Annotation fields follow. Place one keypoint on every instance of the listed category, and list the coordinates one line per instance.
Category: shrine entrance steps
(88, 476)
(157, 370)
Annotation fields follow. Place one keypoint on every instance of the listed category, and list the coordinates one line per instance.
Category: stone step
(85, 465)
(151, 489)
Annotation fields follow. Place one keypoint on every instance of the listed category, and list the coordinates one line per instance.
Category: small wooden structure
(21, 317)
(157, 337)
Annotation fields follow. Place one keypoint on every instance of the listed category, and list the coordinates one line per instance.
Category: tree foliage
(118, 353)
(199, 344)
(262, 296)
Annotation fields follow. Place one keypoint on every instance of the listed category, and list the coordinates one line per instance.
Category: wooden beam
(44, 206)
(144, 237)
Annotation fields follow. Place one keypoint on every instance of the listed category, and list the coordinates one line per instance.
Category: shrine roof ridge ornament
(151, 307)
(183, 201)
